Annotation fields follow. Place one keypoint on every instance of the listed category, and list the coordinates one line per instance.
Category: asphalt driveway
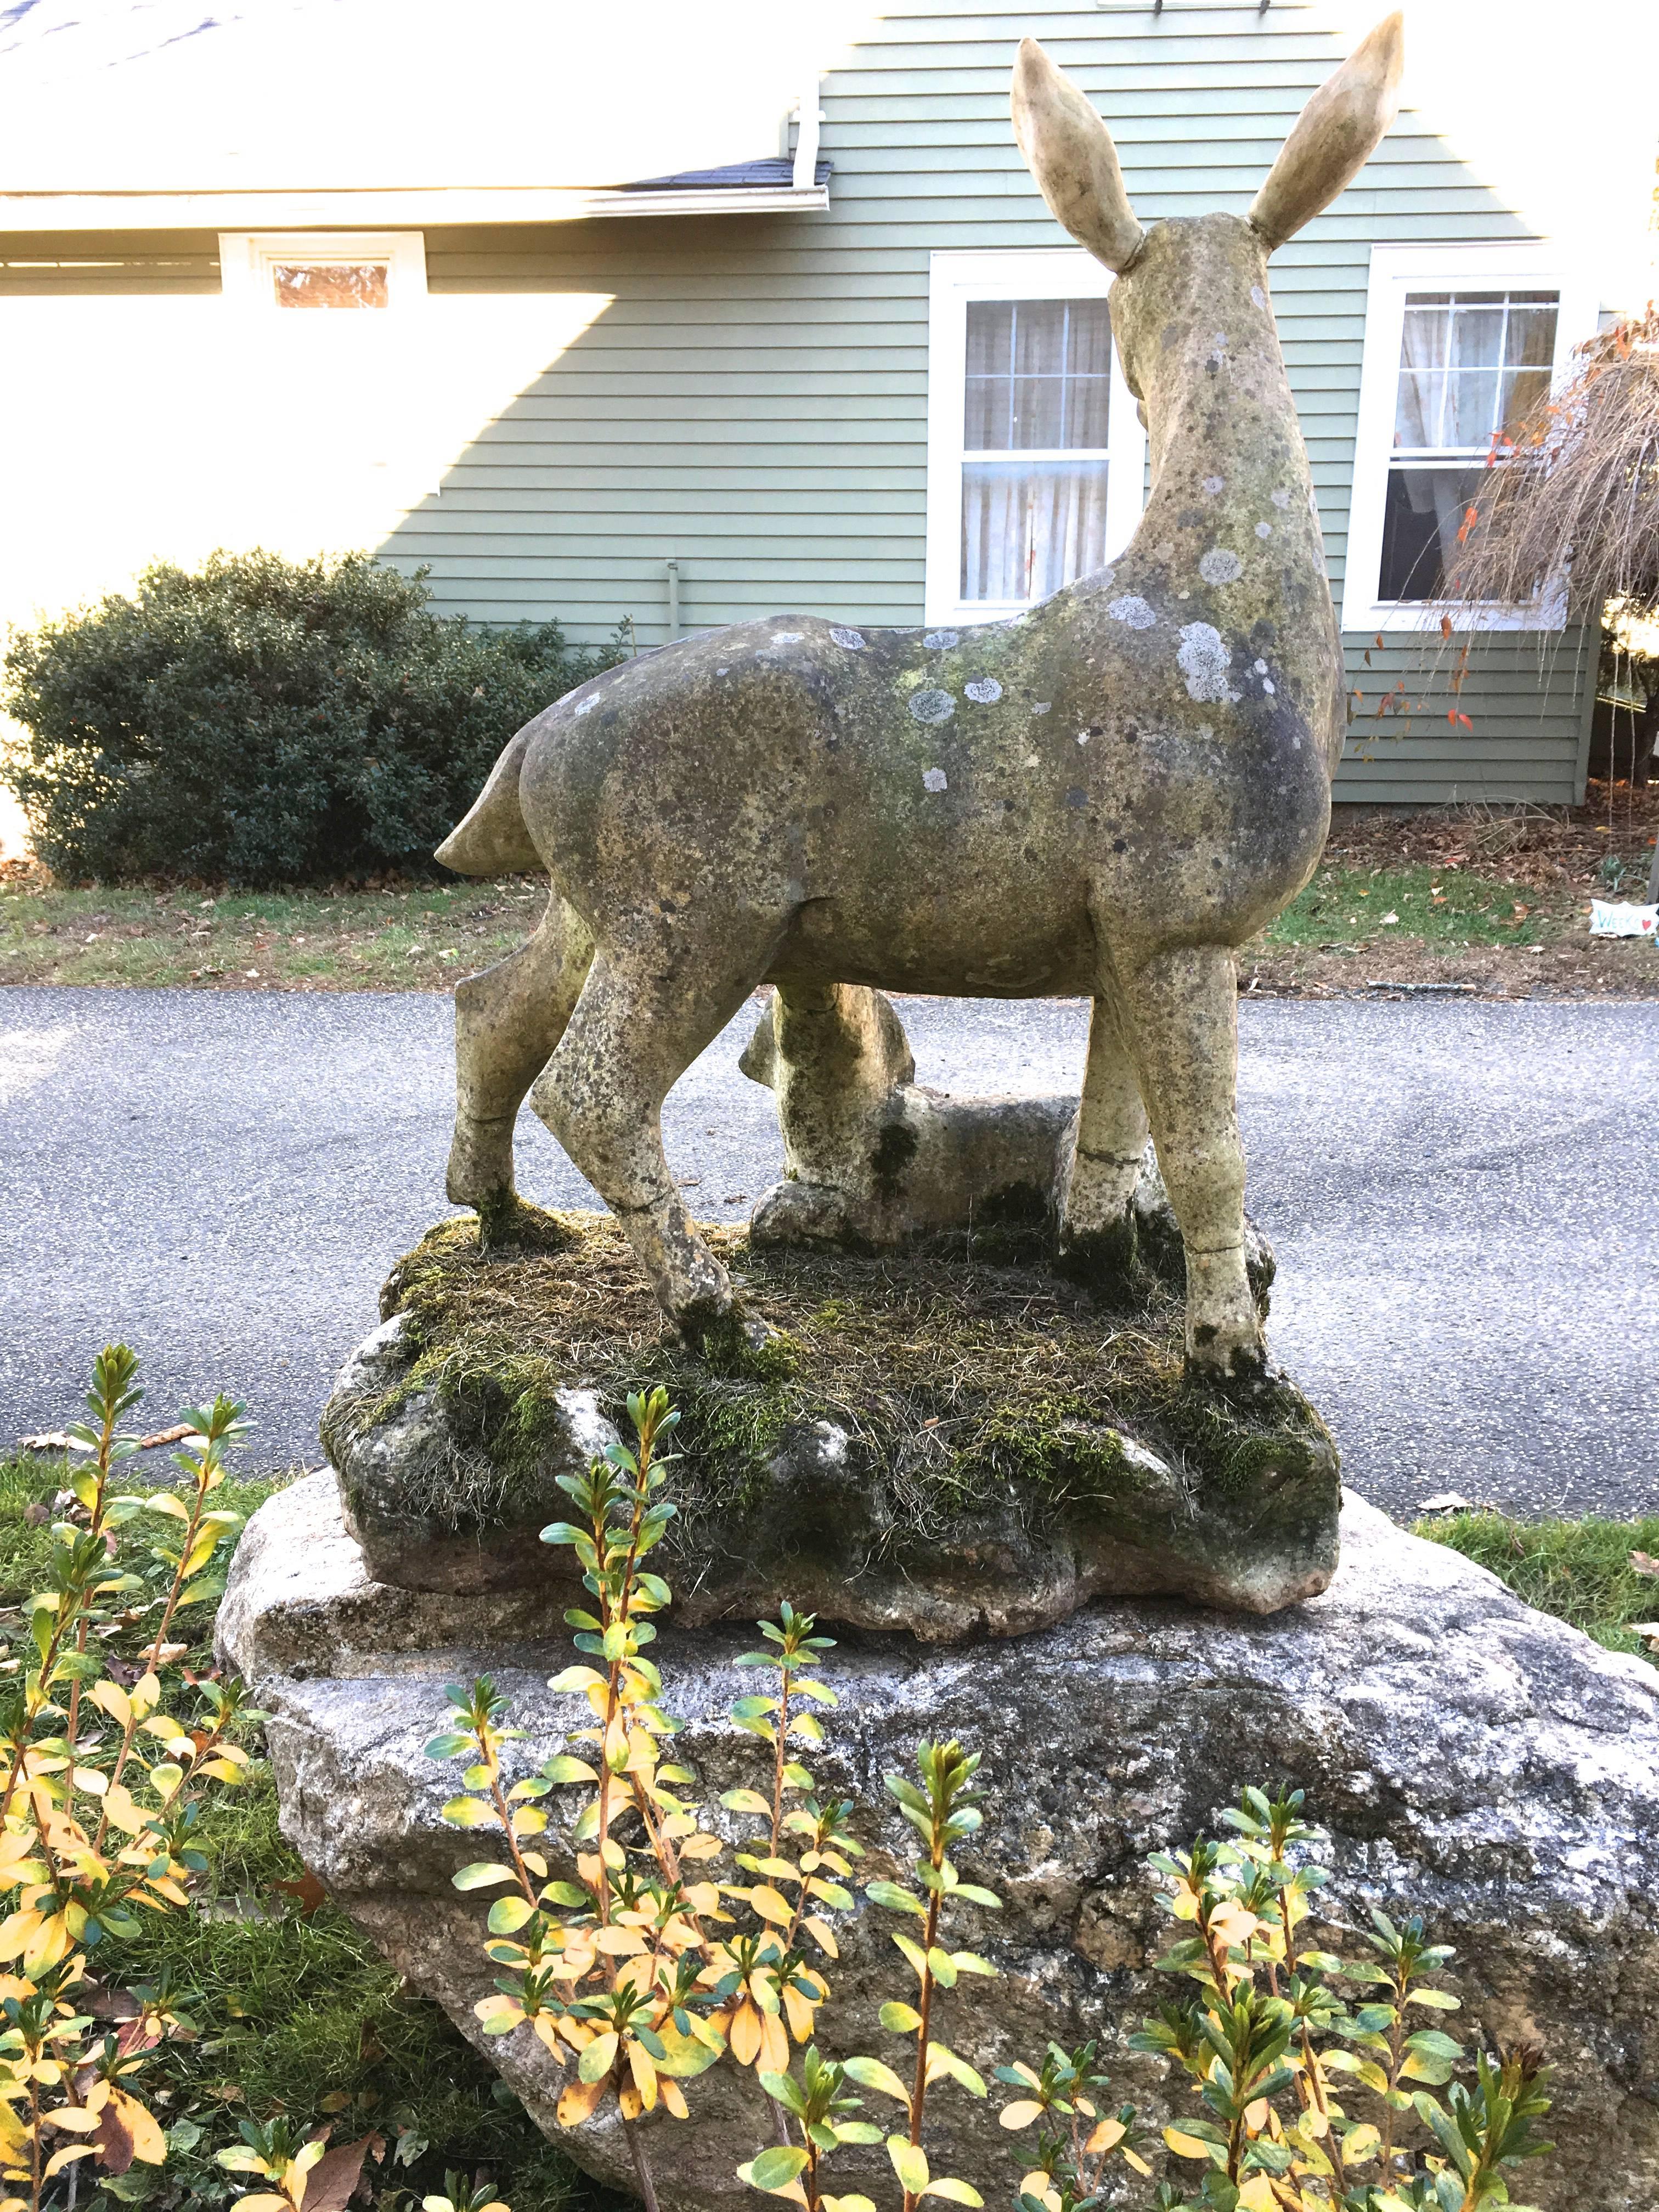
(1464, 1200)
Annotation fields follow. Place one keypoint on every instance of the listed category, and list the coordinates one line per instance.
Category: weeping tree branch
(1574, 492)
(1573, 495)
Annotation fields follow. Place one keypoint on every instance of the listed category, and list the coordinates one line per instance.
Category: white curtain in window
(1451, 356)
(1038, 384)
(1027, 528)
(1471, 366)
(1425, 344)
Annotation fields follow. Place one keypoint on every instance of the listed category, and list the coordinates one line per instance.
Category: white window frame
(1535, 265)
(247, 257)
(1032, 273)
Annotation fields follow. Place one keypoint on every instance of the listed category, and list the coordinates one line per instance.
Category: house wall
(754, 403)
(747, 395)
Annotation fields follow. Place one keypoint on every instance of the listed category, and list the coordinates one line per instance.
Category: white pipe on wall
(806, 144)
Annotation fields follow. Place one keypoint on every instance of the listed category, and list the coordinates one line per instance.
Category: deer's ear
(1069, 150)
(1335, 135)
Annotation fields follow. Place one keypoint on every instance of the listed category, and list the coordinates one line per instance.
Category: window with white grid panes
(1036, 402)
(1472, 365)
(1462, 342)
(1035, 455)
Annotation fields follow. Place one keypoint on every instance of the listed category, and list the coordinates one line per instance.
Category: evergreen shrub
(263, 720)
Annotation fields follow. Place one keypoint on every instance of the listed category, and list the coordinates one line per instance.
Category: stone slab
(1471, 1759)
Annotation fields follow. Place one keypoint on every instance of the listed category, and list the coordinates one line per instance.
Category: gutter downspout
(806, 141)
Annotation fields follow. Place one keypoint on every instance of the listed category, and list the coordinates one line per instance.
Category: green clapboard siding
(753, 403)
(49, 264)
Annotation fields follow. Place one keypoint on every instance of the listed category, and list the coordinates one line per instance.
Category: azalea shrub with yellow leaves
(654, 1964)
(107, 1749)
(648, 1969)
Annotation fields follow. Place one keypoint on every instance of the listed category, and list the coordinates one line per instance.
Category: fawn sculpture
(1105, 796)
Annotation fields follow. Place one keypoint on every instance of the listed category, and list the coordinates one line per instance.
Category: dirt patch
(1562, 849)
(1405, 966)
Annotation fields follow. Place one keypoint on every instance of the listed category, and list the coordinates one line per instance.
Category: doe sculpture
(1105, 796)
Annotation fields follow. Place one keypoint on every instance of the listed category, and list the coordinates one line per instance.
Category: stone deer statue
(1104, 797)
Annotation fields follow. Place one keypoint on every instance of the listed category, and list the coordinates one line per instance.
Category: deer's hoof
(730, 1340)
(480, 1171)
(1240, 1371)
(801, 1213)
(1104, 1260)
(509, 1226)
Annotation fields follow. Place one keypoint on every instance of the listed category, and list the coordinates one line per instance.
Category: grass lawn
(1497, 902)
(1580, 1571)
(410, 938)
(1446, 908)
(1492, 903)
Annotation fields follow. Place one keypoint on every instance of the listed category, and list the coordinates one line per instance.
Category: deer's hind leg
(508, 1021)
(1097, 1218)
(1181, 1018)
(647, 1009)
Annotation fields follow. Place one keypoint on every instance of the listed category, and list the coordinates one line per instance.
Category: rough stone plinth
(1473, 1760)
(956, 1443)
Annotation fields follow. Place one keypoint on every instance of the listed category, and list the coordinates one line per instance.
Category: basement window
(313, 273)
(349, 284)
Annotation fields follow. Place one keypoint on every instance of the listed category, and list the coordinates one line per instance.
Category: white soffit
(267, 104)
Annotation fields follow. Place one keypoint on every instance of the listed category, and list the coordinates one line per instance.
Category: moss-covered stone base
(953, 1441)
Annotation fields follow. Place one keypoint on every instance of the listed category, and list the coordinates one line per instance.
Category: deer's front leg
(1097, 1220)
(1182, 1014)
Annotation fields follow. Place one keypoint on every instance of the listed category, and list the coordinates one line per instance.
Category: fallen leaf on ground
(1644, 1563)
(308, 1893)
(1647, 1630)
(331, 2181)
(1446, 1501)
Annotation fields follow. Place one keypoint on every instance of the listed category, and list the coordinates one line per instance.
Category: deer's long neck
(1230, 517)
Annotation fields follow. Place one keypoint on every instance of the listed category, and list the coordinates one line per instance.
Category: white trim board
(426, 208)
(1527, 266)
(1033, 273)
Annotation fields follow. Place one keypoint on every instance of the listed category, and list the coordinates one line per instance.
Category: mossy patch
(894, 1152)
(961, 1378)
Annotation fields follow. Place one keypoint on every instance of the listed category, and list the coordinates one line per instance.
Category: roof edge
(415, 209)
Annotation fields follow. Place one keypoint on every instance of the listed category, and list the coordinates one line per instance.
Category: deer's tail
(492, 840)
